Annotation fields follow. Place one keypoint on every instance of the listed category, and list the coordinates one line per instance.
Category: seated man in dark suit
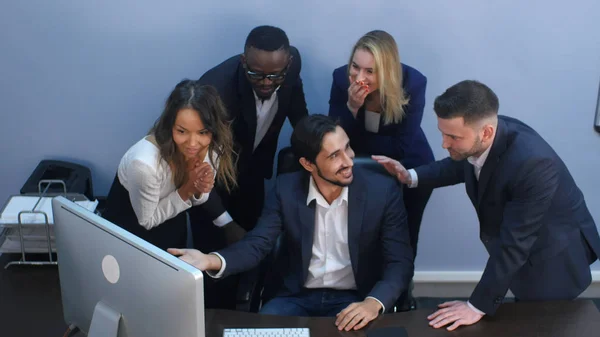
(345, 248)
(533, 219)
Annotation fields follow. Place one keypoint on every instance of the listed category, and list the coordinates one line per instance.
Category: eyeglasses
(260, 76)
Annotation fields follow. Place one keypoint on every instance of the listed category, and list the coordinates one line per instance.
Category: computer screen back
(156, 293)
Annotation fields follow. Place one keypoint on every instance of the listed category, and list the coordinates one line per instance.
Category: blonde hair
(388, 70)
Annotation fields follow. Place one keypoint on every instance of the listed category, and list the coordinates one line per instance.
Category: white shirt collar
(260, 100)
(313, 193)
(479, 161)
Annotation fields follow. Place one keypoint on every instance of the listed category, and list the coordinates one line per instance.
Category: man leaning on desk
(533, 218)
(345, 249)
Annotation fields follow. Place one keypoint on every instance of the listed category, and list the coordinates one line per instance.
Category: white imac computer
(115, 284)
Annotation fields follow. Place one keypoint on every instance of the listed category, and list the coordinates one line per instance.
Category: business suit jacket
(533, 219)
(229, 78)
(404, 141)
(378, 241)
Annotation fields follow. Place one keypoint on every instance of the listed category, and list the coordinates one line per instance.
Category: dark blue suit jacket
(378, 239)
(404, 141)
(533, 218)
(229, 78)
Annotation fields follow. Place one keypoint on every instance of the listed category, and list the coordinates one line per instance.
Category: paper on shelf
(19, 203)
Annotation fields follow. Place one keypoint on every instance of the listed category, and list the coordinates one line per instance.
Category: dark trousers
(415, 200)
(244, 205)
(218, 293)
(311, 302)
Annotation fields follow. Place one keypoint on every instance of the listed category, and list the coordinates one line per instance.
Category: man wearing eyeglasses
(260, 88)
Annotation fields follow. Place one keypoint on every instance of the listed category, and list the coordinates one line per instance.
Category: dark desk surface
(556, 319)
(30, 305)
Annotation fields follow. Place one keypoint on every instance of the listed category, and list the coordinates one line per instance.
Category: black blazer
(234, 88)
(229, 78)
(378, 240)
(533, 218)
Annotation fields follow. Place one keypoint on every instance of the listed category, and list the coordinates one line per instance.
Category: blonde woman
(379, 102)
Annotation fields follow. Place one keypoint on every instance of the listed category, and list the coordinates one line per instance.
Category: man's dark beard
(475, 151)
(337, 183)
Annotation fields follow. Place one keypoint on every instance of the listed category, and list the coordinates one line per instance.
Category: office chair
(254, 288)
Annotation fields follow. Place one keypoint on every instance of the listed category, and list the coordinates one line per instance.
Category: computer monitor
(115, 284)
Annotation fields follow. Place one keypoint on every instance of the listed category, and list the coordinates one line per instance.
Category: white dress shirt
(372, 120)
(330, 265)
(149, 180)
(477, 163)
(265, 113)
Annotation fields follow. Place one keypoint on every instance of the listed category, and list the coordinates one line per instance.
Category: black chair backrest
(287, 162)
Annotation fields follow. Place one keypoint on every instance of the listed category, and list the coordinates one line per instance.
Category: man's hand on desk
(197, 259)
(358, 314)
(457, 312)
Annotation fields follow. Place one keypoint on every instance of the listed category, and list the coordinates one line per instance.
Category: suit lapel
(283, 95)
(356, 206)
(498, 147)
(248, 103)
(471, 183)
(306, 217)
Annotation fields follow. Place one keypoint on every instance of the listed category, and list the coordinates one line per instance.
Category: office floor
(432, 302)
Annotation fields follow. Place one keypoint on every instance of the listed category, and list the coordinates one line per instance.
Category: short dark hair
(267, 38)
(307, 137)
(471, 100)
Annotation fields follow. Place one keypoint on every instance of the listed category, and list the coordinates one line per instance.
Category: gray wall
(84, 80)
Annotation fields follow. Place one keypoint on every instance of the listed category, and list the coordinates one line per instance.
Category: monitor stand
(105, 321)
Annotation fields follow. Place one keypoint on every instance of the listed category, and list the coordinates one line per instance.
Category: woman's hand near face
(357, 92)
(197, 171)
(205, 178)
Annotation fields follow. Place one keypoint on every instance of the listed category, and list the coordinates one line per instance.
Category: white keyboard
(266, 332)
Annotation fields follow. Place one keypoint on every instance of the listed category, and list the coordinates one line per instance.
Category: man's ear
(488, 132)
(243, 60)
(306, 164)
